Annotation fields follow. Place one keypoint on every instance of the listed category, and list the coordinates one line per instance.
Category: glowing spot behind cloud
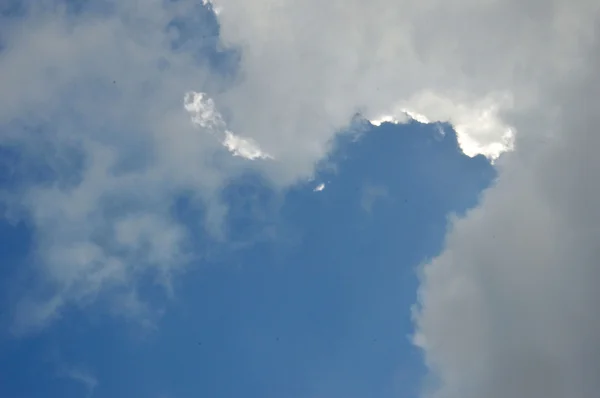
(404, 117)
(416, 116)
(244, 147)
(478, 126)
(210, 5)
(378, 121)
(319, 187)
(205, 114)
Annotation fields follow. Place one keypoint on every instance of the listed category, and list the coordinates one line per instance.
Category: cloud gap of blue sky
(301, 298)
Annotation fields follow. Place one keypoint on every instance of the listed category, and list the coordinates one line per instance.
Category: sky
(299, 199)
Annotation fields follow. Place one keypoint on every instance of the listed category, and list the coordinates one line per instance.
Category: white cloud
(203, 110)
(244, 147)
(319, 187)
(79, 374)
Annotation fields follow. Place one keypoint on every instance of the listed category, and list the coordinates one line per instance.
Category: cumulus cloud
(508, 307)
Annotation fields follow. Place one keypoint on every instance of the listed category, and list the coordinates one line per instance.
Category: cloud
(308, 68)
(319, 187)
(479, 128)
(204, 113)
(509, 307)
(93, 103)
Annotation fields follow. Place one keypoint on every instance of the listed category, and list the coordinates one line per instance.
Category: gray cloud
(509, 307)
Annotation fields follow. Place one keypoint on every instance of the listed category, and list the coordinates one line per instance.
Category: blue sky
(299, 199)
(320, 307)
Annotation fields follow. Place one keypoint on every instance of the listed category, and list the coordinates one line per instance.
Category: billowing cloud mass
(507, 309)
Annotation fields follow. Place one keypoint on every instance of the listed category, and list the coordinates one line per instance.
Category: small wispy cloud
(83, 377)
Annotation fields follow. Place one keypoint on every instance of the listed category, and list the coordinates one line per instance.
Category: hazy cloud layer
(93, 103)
